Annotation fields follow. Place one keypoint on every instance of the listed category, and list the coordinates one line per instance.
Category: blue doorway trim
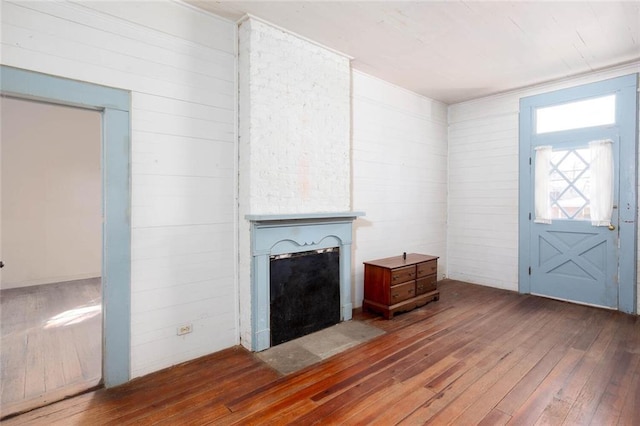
(626, 89)
(116, 199)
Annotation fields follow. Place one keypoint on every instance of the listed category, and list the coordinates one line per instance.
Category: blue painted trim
(116, 256)
(33, 85)
(293, 236)
(627, 122)
(525, 211)
(116, 288)
(627, 116)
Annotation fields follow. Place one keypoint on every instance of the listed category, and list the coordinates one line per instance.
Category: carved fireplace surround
(294, 233)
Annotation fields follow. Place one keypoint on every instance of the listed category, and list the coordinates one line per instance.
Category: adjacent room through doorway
(51, 242)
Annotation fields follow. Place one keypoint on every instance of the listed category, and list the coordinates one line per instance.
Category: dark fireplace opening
(305, 293)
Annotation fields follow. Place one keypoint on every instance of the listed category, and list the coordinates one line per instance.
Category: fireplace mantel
(331, 216)
(273, 234)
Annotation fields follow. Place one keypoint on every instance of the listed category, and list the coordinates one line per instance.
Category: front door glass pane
(569, 184)
(593, 112)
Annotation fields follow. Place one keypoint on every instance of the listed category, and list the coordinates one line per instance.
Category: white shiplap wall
(399, 163)
(483, 183)
(483, 199)
(179, 64)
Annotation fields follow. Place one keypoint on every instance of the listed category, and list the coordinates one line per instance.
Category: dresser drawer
(427, 268)
(402, 292)
(391, 284)
(426, 284)
(401, 275)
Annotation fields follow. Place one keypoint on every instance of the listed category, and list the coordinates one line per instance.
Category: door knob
(1, 264)
(612, 227)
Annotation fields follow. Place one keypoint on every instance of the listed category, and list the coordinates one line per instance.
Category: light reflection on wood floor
(51, 343)
(478, 356)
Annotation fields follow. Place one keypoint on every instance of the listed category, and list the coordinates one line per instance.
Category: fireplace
(304, 293)
(276, 235)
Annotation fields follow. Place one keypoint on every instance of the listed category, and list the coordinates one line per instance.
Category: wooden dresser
(395, 284)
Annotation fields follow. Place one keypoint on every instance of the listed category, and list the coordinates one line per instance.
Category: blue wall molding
(114, 105)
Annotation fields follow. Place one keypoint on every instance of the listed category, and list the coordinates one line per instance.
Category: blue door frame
(116, 199)
(625, 89)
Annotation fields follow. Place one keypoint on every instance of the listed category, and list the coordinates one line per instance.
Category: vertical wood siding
(179, 64)
(399, 161)
(483, 183)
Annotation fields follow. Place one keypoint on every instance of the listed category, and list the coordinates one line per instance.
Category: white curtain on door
(601, 185)
(542, 180)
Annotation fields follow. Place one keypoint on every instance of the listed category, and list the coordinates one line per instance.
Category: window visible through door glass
(569, 184)
(576, 115)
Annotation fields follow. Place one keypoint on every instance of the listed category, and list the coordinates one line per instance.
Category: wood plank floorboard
(478, 356)
(50, 343)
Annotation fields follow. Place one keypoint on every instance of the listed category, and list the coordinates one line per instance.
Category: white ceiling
(455, 51)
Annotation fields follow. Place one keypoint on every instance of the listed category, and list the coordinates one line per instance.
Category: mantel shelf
(302, 216)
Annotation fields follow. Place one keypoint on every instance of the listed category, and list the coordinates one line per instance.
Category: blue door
(571, 258)
(575, 148)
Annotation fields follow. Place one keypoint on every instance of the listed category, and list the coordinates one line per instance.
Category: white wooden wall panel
(179, 64)
(161, 17)
(399, 172)
(180, 200)
(110, 35)
(483, 183)
(158, 154)
(157, 350)
(164, 71)
(108, 53)
(171, 124)
(150, 102)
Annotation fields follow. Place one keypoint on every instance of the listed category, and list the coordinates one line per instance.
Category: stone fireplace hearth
(294, 233)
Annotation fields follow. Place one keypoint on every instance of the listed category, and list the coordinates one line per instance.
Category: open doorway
(51, 242)
(113, 105)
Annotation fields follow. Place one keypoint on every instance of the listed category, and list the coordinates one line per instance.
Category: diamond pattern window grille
(569, 176)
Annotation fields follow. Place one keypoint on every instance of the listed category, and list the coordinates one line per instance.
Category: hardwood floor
(51, 343)
(478, 356)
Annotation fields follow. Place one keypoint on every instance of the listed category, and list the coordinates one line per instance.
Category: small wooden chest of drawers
(396, 284)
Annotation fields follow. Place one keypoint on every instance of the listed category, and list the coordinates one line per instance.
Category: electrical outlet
(185, 329)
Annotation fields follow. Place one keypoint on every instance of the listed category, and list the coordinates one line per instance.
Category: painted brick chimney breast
(294, 134)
